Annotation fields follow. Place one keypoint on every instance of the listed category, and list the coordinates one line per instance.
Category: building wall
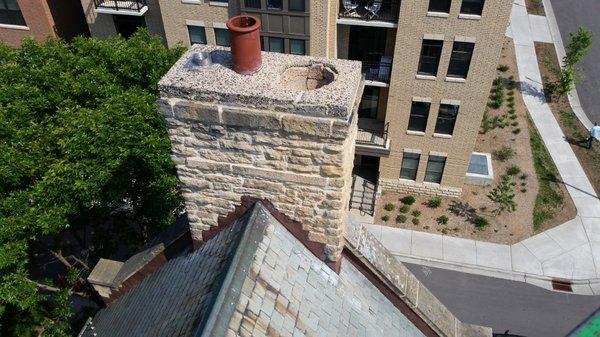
(102, 25)
(413, 26)
(175, 14)
(38, 20)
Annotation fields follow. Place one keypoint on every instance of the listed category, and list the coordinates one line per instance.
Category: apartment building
(428, 65)
(40, 19)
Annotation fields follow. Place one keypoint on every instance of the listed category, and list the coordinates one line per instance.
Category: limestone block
(197, 112)
(306, 125)
(253, 119)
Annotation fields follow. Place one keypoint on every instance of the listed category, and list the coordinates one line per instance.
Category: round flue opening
(310, 77)
(243, 23)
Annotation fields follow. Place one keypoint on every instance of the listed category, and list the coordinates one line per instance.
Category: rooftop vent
(310, 77)
(244, 34)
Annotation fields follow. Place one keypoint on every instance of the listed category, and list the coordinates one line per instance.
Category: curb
(560, 53)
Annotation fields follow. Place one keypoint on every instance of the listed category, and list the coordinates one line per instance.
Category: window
(430, 57)
(472, 7)
(275, 4)
(446, 119)
(410, 165)
(297, 47)
(369, 103)
(197, 34)
(252, 3)
(10, 13)
(296, 5)
(460, 59)
(418, 116)
(222, 37)
(435, 169)
(442, 6)
(276, 44)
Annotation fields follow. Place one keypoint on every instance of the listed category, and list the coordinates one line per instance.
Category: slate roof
(256, 278)
(176, 299)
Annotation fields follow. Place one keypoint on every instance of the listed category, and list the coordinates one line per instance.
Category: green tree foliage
(569, 75)
(82, 146)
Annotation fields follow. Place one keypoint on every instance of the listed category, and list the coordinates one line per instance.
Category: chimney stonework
(285, 133)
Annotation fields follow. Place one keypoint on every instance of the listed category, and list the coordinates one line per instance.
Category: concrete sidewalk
(569, 251)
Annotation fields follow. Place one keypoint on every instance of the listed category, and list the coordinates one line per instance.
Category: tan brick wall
(102, 25)
(412, 27)
(323, 32)
(175, 13)
(38, 20)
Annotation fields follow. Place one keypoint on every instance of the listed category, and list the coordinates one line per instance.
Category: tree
(84, 153)
(568, 75)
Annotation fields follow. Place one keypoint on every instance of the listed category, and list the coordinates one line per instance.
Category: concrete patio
(569, 251)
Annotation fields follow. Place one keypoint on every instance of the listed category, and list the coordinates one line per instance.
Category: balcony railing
(122, 6)
(377, 10)
(378, 71)
(372, 137)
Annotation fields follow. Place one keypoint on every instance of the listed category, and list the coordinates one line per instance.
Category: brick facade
(45, 18)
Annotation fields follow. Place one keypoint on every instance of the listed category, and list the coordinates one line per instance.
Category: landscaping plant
(503, 195)
(434, 203)
(442, 220)
(404, 209)
(401, 218)
(408, 200)
(389, 207)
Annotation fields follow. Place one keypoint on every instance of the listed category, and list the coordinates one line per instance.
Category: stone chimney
(285, 133)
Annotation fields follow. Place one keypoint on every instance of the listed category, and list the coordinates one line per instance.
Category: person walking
(594, 133)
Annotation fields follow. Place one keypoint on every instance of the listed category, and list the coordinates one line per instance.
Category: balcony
(377, 73)
(120, 7)
(377, 13)
(372, 138)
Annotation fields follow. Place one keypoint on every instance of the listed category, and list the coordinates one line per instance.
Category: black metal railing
(373, 135)
(119, 5)
(380, 10)
(379, 71)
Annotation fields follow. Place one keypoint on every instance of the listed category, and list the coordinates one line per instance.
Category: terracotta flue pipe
(244, 33)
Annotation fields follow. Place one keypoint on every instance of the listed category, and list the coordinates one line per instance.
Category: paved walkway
(571, 250)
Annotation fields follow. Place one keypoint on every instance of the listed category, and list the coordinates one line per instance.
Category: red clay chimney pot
(244, 33)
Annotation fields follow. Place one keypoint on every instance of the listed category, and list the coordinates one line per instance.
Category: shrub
(515, 123)
(503, 195)
(511, 99)
(504, 154)
(511, 105)
(512, 117)
(486, 124)
(523, 190)
(434, 203)
(442, 220)
(513, 170)
(408, 200)
(499, 93)
(401, 218)
(385, 218)
(503, 68)
(404, 209)
(389, 207)
(516, 131)
(416, 213)
(415, 221)
(523, 176)
(480, 222)
(511, 93)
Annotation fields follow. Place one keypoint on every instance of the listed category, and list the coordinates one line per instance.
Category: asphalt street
(521, 308)
(570, 15)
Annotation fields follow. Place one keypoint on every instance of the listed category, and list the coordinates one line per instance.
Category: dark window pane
(439, 6)
(252, 3)
(460, 60)
(275, 4)
(418, 116)
(369, 103)
(430, 57)
(446, 119)
(474, 7)
(197, 34)
(410, 165)
(276, 44)
(10, 13)
(297, 47)
(296, 5)
(435, 169)
(222, 37)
